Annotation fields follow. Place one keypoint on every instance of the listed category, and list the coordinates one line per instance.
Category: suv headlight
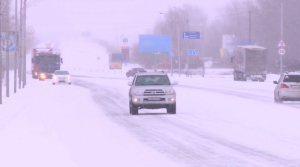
(137, 92)
(169, 91)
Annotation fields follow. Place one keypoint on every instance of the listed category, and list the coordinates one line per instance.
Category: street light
(170, 55)
(178, 44)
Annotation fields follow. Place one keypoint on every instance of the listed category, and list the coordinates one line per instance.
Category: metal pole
(281, 57)
(20, 45)
(249, 27)
(25, 44)
(7, 49)
(178, 50)
(154, 62)
(187, 47)
(16, 46)
(203, 61)
(1, 52)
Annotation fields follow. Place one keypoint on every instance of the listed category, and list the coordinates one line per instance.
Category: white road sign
(281, 44)
(281, 52)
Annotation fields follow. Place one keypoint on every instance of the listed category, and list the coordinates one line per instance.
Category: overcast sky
(54, 19)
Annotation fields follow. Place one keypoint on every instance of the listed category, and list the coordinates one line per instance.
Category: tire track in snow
(215, 90)
(190, 144)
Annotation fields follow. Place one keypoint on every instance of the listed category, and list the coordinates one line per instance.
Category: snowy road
(213, 127)
(218, 123)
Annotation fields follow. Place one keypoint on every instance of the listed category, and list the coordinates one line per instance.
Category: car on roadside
(287, 87)
(152, 91)
(60, 76)
(133, 71)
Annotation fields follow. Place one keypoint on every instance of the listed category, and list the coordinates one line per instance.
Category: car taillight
(283, 86)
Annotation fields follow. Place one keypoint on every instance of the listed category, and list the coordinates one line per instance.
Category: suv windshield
(291, 78)
(61, 73)
(152, 80)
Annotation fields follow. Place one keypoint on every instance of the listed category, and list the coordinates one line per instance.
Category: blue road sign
(155, 43)
(171, 54)
(191, 35)
(192, 52)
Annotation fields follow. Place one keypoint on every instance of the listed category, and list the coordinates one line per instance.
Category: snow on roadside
(46, 125)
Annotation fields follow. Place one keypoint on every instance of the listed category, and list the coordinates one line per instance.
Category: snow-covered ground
(46, 125)
(219, 122)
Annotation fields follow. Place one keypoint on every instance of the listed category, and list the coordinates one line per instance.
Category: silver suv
(287, 88)
(152, 91)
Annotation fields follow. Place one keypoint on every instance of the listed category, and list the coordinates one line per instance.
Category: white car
(288, 88)
(152, 91)
(60, 76)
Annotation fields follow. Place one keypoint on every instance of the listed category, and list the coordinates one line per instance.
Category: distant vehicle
(133, 71)
(249, 62)
(61, 77)
(151, 91)
(115, 61)
(44, 60)
(288, 87)
(42, 76)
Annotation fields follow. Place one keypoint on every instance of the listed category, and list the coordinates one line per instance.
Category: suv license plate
(153, 99)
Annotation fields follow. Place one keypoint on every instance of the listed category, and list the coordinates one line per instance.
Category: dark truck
(249, 62)
(44, 60)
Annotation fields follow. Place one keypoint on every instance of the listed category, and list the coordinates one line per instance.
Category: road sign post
(155, 44)
(171, 55)
(190, 35)
(281, 51)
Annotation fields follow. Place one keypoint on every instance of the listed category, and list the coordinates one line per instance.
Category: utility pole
(202, 54)
(187, 47)
(249, 27)
(7, 49)
(178, 49)
(20, 45)
(1, 52)
(171, 47)
(24, 46)
(16, 46)
(281, 34)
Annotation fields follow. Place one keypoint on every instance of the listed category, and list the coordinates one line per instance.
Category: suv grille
(154, 92)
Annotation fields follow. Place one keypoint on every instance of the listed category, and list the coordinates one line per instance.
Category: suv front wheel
(171, 109)
(133, 110)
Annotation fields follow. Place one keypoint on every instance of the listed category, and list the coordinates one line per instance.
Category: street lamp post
(0, 52)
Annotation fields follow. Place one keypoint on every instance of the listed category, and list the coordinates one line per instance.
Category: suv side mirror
(174, 83)
(129, 83)
(275, 82)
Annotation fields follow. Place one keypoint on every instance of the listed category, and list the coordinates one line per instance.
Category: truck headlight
(137, 92)
(169, 91)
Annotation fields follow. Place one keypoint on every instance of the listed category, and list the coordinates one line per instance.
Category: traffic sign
(281, 51)
(192, 52)
(191, 35)
(281, 44)
(171, 54)
(125, 40)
